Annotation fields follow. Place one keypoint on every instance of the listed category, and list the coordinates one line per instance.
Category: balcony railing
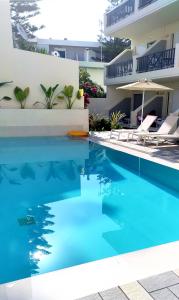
(120, 69)
(120, 12)
(156, 61)
(143, 3)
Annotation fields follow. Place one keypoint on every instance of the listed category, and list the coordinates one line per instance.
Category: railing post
(136, 5)
(176, 61)
(134, 64)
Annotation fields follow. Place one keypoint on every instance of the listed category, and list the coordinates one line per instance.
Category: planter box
(41, 122)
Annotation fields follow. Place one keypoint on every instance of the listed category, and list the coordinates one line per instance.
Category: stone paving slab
(175, 290)
(135, 291)
(164, 294)
(91, 297)
(158, 282)
(113, 294)
(160, 287)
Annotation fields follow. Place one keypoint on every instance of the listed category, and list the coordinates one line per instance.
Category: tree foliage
(22, 13)
(113, 3)
(111, 47)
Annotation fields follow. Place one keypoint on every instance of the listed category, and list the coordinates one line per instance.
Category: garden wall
(99, 106)
(30, 69)
(41, 122)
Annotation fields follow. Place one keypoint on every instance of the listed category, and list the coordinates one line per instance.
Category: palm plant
(115, 118)
(2, 84)
(67, 94)
(50, 97)
(21, 95)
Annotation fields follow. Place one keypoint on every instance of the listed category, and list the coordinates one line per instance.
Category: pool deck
(115, 278)
(165, 154)
(160, 287)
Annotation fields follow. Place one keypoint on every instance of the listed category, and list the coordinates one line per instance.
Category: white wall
(103, 105)
(97, 75)
(25, 68)
(96, 71)
(42, 122)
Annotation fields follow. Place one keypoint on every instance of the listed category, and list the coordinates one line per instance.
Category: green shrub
(98, 122)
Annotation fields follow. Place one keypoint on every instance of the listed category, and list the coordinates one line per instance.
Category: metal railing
(156, 61)
(143, 3)
(120, 12)
(120, 69)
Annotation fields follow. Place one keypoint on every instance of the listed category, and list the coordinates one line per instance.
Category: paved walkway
(168, 153)
(160, 287)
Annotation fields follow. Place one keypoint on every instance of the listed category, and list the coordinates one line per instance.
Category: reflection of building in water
(27, 189)
(98, 163)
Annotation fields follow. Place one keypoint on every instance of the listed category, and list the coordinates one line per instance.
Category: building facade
(153, 27)
(75, 50)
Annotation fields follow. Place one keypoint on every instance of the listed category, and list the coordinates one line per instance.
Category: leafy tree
(112, 4)
(22, 11)
(111, 47)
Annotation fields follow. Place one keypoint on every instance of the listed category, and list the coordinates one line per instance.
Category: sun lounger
(144, 127)
(168, 137)
(166, 128)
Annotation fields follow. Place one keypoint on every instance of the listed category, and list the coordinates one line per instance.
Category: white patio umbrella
(144, 86)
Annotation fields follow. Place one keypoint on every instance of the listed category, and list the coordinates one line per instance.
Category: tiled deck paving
(169, 153)
(160, 287)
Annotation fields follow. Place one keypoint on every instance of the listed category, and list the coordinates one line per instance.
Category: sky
(72, 19)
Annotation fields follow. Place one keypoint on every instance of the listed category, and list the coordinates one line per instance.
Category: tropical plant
(98, 122)
(50, 97)
(67, 94)
(115, 118)
(5, 97)
(21, 95)
(5, 82)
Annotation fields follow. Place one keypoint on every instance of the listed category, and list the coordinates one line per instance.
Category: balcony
(156, 61)
(120, 12)
(134, 18)
(120, 69)
(144, 3)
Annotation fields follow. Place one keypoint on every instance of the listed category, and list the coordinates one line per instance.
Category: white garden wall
(26, 68)
(42, 122)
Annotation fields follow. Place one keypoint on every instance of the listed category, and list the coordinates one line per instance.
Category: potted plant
(50, 97)
(67, 94)
(21, 95)
(5, 97)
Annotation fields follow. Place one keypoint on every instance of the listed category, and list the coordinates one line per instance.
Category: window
(62, 53)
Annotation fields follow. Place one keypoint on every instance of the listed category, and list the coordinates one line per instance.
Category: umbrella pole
(142, 114)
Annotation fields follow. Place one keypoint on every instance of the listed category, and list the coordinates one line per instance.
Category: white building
(153, 27)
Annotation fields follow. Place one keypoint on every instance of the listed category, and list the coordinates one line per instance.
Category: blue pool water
(66, 202)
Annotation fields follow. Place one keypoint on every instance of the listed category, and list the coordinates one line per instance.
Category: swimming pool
(66, 202)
